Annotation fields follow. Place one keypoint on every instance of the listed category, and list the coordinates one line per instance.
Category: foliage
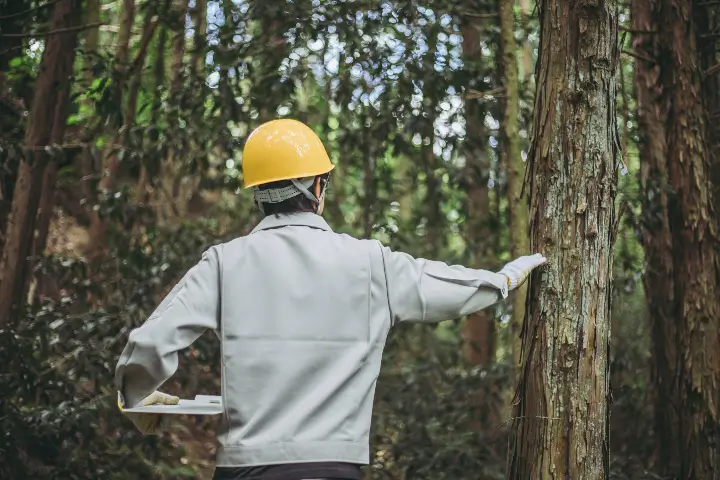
(387, 87)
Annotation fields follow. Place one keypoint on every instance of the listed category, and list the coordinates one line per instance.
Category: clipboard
(200, 405)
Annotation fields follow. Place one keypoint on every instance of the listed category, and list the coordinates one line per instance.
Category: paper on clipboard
(201, 405)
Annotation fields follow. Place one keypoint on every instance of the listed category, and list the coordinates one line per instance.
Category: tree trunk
(562, 401)
(51, 92)
(110, 158)
(708, 24)
(690, 208)
(527, 62)
(657, 238)
(169, 170)
(478, 331)
(198, 63)
(510, 143)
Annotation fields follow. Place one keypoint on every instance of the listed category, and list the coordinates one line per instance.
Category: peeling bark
(51, 88)
(562, 401)
(691, 213)
(657, 238)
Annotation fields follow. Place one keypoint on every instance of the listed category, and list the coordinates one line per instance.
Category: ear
(317, 188)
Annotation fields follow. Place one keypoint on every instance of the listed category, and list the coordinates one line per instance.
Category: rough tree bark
(479, 329)
(657, 238)
(510, 143)
(695, 257)
(562, 401)
(51, 89)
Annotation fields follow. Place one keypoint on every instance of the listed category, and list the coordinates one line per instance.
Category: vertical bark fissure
(563, 396)
(51, 85)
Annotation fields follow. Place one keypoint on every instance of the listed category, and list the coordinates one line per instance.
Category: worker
(302, 314)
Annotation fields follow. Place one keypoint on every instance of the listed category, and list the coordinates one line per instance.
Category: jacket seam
(387, 285)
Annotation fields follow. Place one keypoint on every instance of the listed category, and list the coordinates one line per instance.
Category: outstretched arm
(422, 290)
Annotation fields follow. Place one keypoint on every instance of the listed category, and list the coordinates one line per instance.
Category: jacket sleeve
(428, 291)
(150, 356)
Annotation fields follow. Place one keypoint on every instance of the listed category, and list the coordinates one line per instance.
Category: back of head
(282, 161)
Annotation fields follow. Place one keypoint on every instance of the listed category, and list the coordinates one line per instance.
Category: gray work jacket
(303, 314)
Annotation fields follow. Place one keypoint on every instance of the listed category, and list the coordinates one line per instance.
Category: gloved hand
(150, 423)
(518, 270)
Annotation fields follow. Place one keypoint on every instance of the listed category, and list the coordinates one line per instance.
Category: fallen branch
(53, 32)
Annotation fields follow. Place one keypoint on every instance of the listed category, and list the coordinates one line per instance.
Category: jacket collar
(303, 219)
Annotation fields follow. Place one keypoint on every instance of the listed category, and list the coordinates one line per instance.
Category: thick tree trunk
(690, 208)
(51, 91)
(562, 401)
(479, 328)
(657, 238)
(510, 143)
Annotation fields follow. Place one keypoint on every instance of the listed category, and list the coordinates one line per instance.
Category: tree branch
(479, 15)
(639, 56)
(495, 92)
(29, 10)
(53, 32)
(714, 69)
(636, 30)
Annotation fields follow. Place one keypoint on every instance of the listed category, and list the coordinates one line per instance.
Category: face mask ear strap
(304, 190)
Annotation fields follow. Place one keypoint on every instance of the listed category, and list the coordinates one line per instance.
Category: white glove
(150, 423)
(518, 270)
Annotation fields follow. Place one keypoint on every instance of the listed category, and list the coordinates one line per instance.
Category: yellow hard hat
(283, 150)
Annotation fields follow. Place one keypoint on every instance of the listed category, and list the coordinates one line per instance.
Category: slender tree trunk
(169, 170)
(517, 206)
(10, 47)
(198, 63)
(657, 238)
(691, 213)
(110, 158)
(479, 328)
(88, 167)
(562, 401)
(51, 86)
(527, 62)
(147, 171)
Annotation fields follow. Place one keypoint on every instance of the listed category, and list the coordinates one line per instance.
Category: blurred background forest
(122, 124)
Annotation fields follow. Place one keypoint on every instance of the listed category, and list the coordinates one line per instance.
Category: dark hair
(297, 204)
